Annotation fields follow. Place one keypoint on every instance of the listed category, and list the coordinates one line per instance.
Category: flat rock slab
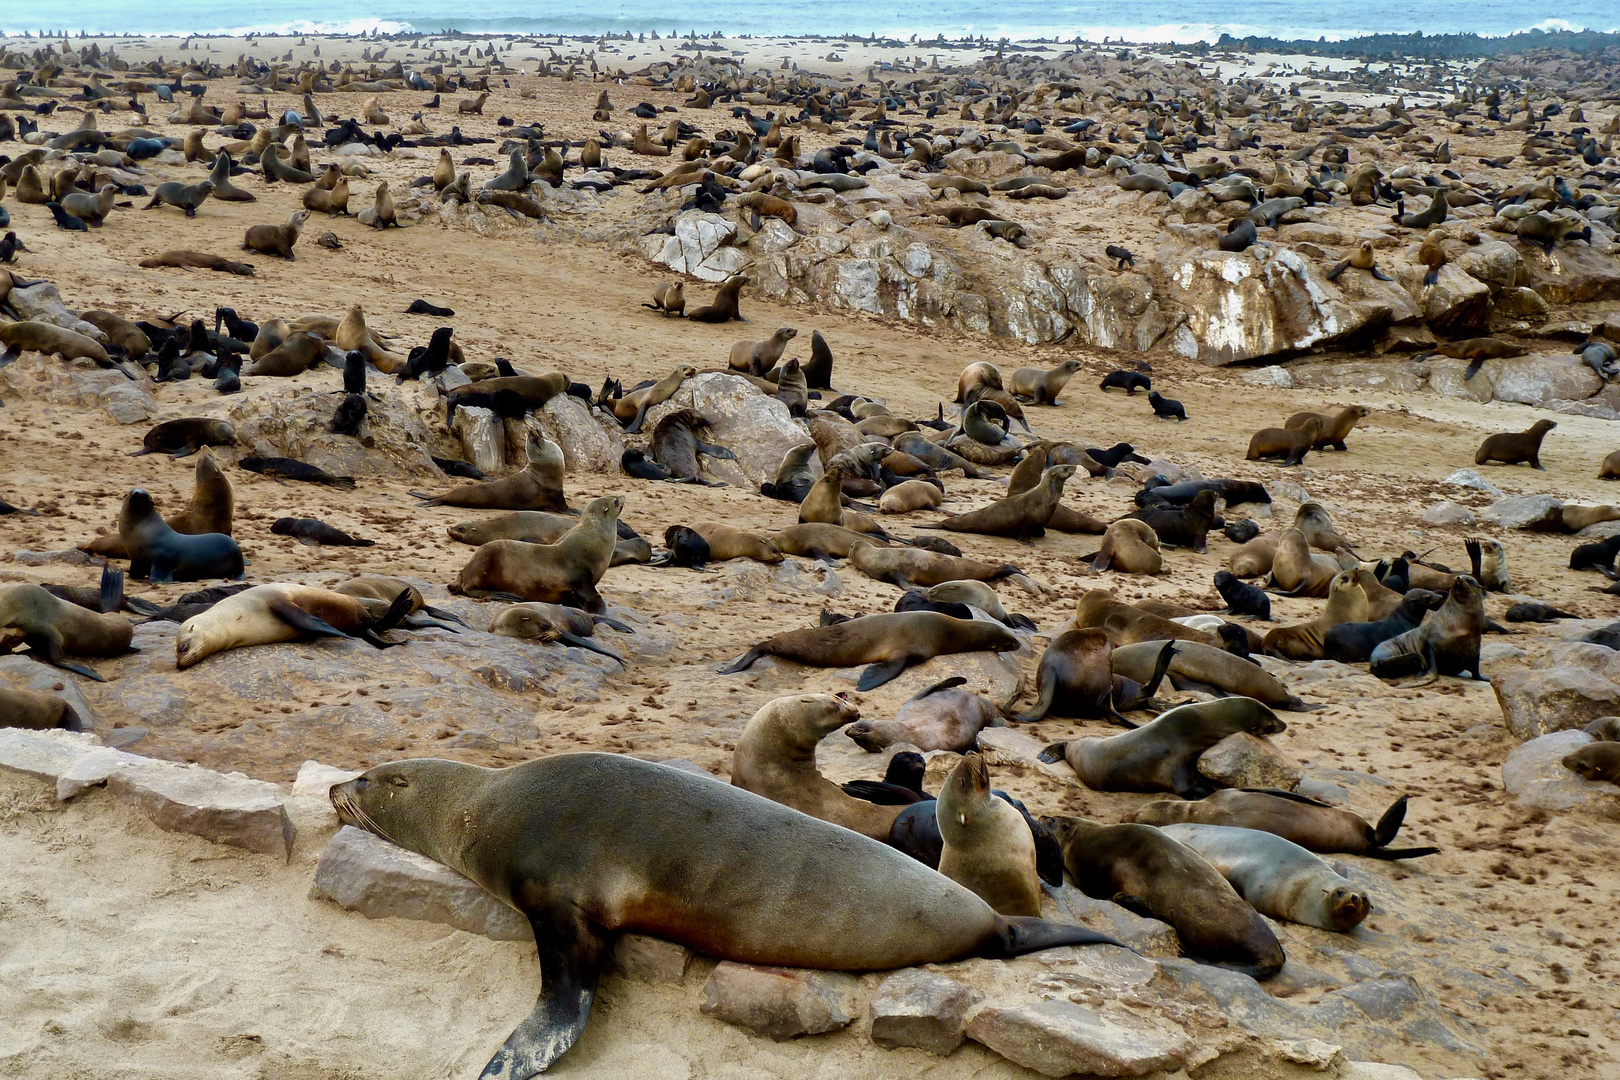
(780, 1003)
(45, 755)
(365, 873)
(918, 1009)
(1056, 1038)
(227, 808)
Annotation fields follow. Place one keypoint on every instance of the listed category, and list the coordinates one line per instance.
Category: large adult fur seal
(1141, 868)
(730, 542)
(592, 845)
(631, 409)
(1182, 526)
(1023, 517)
(941, 716)
(889, 643)
(988, 847)
(535, 390)
(44, 337)
(1130, 547)
(776, 758)
(1254, 558)
(162, 555)
(1333, 428)
(199, 260)
(1290, 444)
(54, 629)
(758, 357)
(1206, 668)
(38, 712)
(1447, 643)
(562, 573)
(220, 176)
(537, 486)
(1163, 755)
(1516, 447)
(1041, 386)
(211, 510)
(1312, 825)
(1297, 572)
(975, 379)
(1076, 678)
(266, 614)
(276, 239)
(912, 567)
(1126, 624)
(724, 306)
(183, 437)
(1347, 603)
(296, 354)
(187, 197)
(1277, 877)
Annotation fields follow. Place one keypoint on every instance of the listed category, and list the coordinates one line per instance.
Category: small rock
(1372, 1070)
(1553, 699)
(651, 959)
(915, 1008)
(780, 1003)
(315, 781)
(1149, 937)
(362, 872)
(1535, 512)
(1448, 513)
(67, 557)
(1468, 478)
(225, 808)
(1535, 773)
(1242, 760)
(1056, 1038)
(1521, 303)
(1010, 746)
(1312, 1053)
(128, 404)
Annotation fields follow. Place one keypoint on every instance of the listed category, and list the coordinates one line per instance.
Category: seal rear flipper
(877, 674)
(299, 619)
(396, 612)
(1053, 753)
(441, 613)
(943, 684)
(140, 606)
(586, 643)
(1020, 935)
(112, 589)
(1390, 823)
(1400, 853)
(570, 960)
(742, 663)
(613, 624)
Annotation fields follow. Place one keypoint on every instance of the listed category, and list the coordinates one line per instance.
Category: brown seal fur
(1576, 517)
(1291, 444)
(296, 354)
(818, 540)
(266, 614)
(909, 567)
(1130, 547)
(1076, 679)
(1515, 447)
(1333, 429)
(562, 573)
(538, 527)
(54, 629)
(941, 716)
(758, 357)
(37, 712)
(1197, 666)
(32, 336)
(1610, 469)
(1163, 755)
(730, 542)
(909, 496)
(1313, 825)
(1297, 572)
(724, 306)
(276, 239)
(889, 643)
(211, 510)
(1303, 641)
(988, 846)
(1156, 877)
(1595, 761)
(1254, 558)
(632, 408)
(537, 486)
(1023, 516)
(974, 380)
(776, 758)
(1128, 625)
(198, 260)
(1042, 385)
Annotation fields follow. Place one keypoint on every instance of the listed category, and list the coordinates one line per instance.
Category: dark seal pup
(592, 845)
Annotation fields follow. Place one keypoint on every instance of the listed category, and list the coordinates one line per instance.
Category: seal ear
(570, 961)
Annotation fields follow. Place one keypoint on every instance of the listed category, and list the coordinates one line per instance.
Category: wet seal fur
(592, 845)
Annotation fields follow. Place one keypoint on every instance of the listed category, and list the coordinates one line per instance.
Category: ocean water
(1183, 21)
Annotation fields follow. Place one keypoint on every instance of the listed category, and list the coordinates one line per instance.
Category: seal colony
(933, 507)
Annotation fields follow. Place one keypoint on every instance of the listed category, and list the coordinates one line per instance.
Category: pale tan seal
(566, 572)
(889, 643)
(988, 848)
(537, 486)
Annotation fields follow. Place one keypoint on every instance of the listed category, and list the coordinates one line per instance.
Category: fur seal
(988, 848)
(549, 622)
(889, 643)
(1598, 761)
(1126, 624)
(1347, 603)
(1163, 755)
(1610, 469)
(38, 712)
(1130, 547)
(537, 486)
(1041, 386)
(1076, 679)
(1153, 875)
(211, 510)
(911, 495)
(1333, 428)
(724, 306)
(34, 336)
(1290, 444)
(975, 379)
(199, 260)
(670, 298)
(1447, 643)
(816, 540)
(220, 176)
(1242, 598)
(1353, 642)
(54, 629)
(631, 409)
(758, 357)
(184, 437)
(909, 567)
(941, 716)
(590, 845)
(1294, 570)
(1314, 826)
(316, 531)
(266, 614)
(297, 353)
(187, 197)
(730, 542)
(1022, 516)
(1166, 408)
(1207, 668)
(276, 239)
(162, 555)
(1276, 876)
(1128, 381)
(1182, 526)
(1362, 259)
(1516, 447)
(562, 573)
(776, 758)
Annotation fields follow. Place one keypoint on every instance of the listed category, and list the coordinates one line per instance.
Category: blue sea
(1182, 21)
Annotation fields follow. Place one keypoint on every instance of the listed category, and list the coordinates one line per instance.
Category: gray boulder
(752, 425)
(395, 442)
(1057, 1038)
(1534, 512)
(1534, 772)
(227, 809)
(1553, 699)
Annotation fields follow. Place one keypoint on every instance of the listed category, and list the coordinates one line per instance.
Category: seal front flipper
(586, 643)
(299, 619)
(570, 961)
(49, 649)
(878, 674)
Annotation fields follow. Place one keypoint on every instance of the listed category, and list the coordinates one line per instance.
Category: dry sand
(128, 952)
